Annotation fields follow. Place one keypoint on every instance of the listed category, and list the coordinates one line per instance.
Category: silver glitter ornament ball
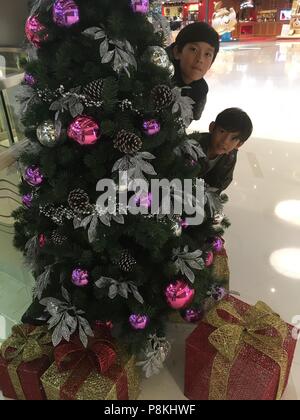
(159, 57)
(46, 134)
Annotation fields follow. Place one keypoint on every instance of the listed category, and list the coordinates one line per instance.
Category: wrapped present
(240, 352)
(220, 267)
(98, 372)
(25, 356)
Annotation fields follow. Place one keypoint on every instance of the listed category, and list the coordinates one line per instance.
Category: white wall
(13, 15)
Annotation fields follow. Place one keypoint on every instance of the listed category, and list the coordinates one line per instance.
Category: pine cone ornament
(126, 105)
(127, 262)
(94, 90)
(127, 142)
(162, 96)
(57, 238)
(79, 201)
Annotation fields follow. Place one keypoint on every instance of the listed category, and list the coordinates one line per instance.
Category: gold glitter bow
(27, 343)
(259, 327)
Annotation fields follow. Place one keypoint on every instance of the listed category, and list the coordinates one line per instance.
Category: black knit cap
(198, 32)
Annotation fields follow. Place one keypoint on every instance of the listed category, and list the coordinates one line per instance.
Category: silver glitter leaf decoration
(66, 319)
(183, 105)
(213, 200)
(155, 352)
(186, 260)
(42, 282)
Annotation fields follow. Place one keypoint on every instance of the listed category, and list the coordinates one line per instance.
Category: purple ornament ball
(139, 322)
(80, 277)
(29, 79)
(217, 244)
(140, 6)
(27, 200)
(192, 315)
(84, 130)
(179, 294)
(35, 31)
(151, 127)
(218, 293)
(33, 176)
(65, 13)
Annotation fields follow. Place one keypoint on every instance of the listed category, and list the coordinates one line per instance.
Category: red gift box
(251, 374)
(27, 375)
(19, 379)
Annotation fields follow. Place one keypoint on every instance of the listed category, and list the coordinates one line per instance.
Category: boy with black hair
(192, 54)
(226, 135)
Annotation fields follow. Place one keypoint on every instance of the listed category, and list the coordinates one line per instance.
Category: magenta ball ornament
(139, 322)
(33, 176)
(80, 277)
(35, 31)
(179, 294)
(140, 6)
(29, 79)
(27, 200)
(42, 240)
(217, 244)
(84, 130)
(151, 127)
(65, 13)
(192, 315)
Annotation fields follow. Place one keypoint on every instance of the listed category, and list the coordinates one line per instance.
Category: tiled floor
(264, 240)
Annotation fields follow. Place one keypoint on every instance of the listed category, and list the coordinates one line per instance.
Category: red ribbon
(100, 355)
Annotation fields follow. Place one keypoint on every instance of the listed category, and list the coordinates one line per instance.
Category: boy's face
(195, 60)
(222, 141)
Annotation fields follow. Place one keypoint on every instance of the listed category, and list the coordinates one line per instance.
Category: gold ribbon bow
(27, 343)
(256, 327)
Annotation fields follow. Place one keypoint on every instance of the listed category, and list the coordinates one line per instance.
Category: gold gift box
(96, 386)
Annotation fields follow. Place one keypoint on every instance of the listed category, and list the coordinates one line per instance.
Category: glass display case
(11, 76)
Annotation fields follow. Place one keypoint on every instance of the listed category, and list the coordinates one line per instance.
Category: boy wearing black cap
(192, 54)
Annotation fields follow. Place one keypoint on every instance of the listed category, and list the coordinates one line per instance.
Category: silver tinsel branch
(183, 105)
(92, 221)
(185, 261)
(118, 52)
(135, 166)
(66, 319)
(119, 288)
(155, 353)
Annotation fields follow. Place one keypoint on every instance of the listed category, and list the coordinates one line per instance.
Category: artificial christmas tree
(112, 106)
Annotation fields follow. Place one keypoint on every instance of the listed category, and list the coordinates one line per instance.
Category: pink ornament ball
(151, 127)
(33, 176)
(80, 277)
(139, 322)
(65, 13)
(84, 130)
(42, 240)
(35, 31)
(140, 6)
(179, 294)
